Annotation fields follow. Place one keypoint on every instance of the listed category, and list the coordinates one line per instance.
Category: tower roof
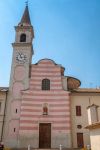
(26, 17)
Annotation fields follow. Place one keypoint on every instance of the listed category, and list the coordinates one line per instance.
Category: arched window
(23, 37)
(45, 84)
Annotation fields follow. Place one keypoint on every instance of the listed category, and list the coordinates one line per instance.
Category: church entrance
(45, 135)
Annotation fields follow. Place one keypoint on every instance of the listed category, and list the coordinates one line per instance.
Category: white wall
(95, 139)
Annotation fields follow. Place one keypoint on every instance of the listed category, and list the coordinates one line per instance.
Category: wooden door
(45, 135)
(80, 142)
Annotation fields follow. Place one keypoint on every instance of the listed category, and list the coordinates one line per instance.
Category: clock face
(21, 58)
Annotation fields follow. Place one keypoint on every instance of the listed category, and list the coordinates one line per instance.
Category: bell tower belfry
(19, 78)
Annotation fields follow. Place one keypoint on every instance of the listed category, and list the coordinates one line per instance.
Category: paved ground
(45, 149)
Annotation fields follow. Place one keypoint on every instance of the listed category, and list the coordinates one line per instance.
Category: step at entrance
(57, 149)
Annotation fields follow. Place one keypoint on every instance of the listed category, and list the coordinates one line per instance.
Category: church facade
(42, 107)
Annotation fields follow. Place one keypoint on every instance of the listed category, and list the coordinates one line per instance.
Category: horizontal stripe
(52, 109)
(28, 125)
(38, 74)
(55, 102)
(28, 121)
(28, 128)
(41, 113)
(51, 84)
(46, 75)
(61, 125)
(60, 105)
(44, 119)
(50, 78)
(61, 128)
(45, 66)
(49, 92)
(46, 116)
(59, 110)
(39, 70)
(47, 96)
(55, 84)
(54, 128)
(52, 87)
(38, 87)
(46, 61)
(36, 122)
(39, 80)
(55, 132)
(31, 104)
(53, 125)
(45, 100)
(30, 110)
(32, 107)
(62, 121)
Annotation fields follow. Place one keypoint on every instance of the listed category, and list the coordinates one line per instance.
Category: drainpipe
(4, 113)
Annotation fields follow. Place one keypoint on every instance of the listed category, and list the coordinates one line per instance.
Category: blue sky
(67, 31)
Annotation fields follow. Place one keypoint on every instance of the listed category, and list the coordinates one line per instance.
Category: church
(42, 107)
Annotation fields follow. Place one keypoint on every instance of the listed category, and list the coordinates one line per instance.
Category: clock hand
(19, 57)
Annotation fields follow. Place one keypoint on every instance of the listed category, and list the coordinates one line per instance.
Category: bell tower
(19, 78)
(22, 51)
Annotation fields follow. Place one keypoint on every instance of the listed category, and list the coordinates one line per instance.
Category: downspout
(4, 116)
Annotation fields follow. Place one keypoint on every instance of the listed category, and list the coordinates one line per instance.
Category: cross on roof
(26, 3)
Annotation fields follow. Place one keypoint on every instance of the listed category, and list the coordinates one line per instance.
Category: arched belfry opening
(23, 37)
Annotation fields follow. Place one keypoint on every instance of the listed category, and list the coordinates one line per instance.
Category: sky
(66, 31)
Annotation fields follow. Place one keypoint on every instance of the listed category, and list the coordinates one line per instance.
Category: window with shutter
(78, 110)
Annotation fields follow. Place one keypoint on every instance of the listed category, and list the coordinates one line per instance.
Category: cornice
(22, 44)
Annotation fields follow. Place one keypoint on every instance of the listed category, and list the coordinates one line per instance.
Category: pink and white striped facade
(57, 100)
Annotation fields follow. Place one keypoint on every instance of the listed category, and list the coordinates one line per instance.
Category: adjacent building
(94, 126)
